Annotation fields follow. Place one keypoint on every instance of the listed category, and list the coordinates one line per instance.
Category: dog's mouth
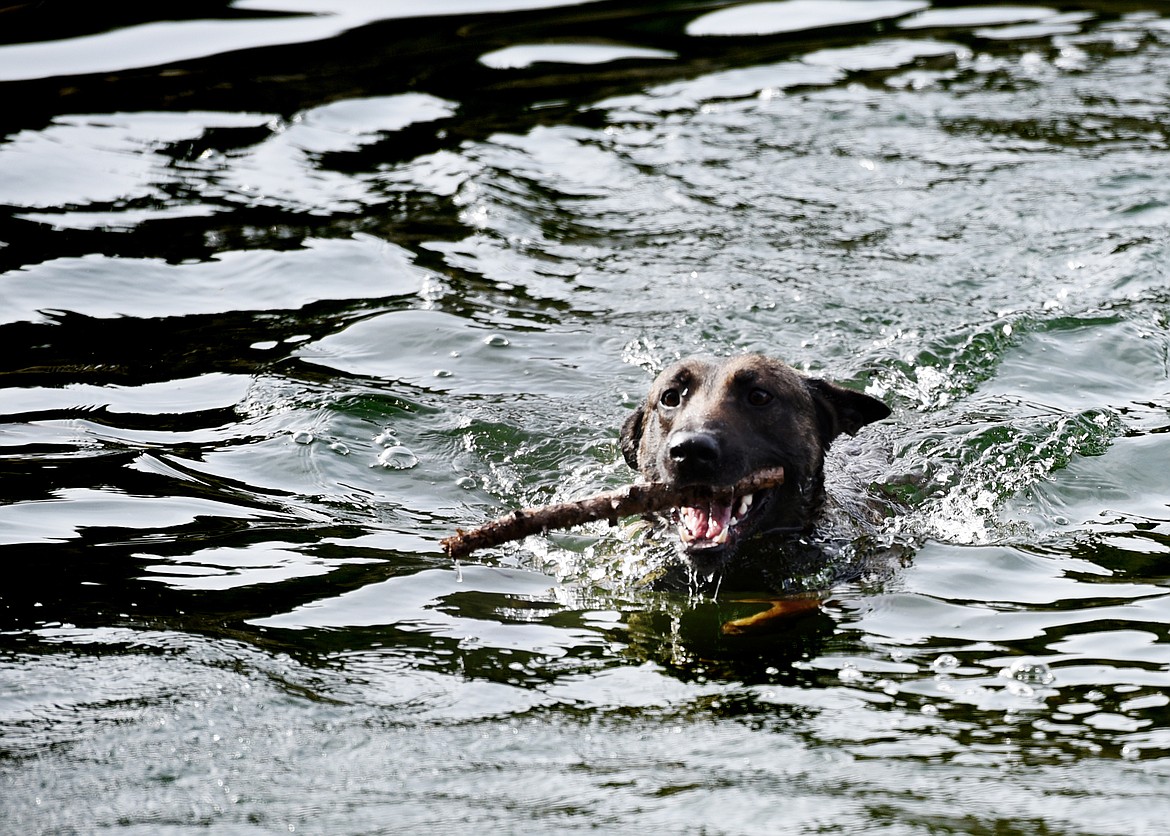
(717, 525)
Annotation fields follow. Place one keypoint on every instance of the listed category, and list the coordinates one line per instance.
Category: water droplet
(849, 673)
(397, 458)
(339, 448)
(302, 437)
(1019, 689)
(1029, 672)
(496, 341)
(386, 438)
(945, 662)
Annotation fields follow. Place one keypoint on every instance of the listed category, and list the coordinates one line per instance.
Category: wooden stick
(630, 501)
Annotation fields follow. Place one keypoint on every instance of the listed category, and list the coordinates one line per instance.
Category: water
(293, 290)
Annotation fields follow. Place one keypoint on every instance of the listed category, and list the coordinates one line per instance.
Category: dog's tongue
(705, 523)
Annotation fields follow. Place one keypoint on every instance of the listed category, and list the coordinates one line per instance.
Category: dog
(714, 422)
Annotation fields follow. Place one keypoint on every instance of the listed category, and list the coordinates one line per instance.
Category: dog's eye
(759, 397)
(670, 398)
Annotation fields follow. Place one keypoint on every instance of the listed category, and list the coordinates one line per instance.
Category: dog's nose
(695, 453)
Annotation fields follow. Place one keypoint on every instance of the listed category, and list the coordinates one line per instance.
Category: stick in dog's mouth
(717, 509)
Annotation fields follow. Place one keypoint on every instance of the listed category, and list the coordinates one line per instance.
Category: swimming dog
(715, 421)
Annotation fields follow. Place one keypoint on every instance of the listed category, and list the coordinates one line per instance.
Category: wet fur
(714, 421)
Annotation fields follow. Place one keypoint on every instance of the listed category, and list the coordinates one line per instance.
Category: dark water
(292, 289)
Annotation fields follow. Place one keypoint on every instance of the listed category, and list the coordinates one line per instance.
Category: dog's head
(714, 422)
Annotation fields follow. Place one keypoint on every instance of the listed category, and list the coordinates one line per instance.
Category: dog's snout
(695, 453)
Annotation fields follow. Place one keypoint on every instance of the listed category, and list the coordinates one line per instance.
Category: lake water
(292, 289)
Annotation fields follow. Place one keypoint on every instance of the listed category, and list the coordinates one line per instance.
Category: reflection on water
(292, 290)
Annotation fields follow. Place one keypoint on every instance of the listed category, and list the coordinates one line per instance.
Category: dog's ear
(841, 410)
(631, 436)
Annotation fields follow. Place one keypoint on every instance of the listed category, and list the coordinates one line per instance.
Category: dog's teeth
(745, 505)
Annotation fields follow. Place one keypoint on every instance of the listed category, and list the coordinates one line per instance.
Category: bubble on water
(496, 341)
(386, 439)
(397, 458)
(444, 373)
(466, 482)
(1028, 672)
(340, 448)
(944, 663)
(302, 437)
(930, 709)
(1072, 58)
(1019, 689)
(850, 673)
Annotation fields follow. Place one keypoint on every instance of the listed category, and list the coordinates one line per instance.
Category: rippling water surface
(292, 289)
